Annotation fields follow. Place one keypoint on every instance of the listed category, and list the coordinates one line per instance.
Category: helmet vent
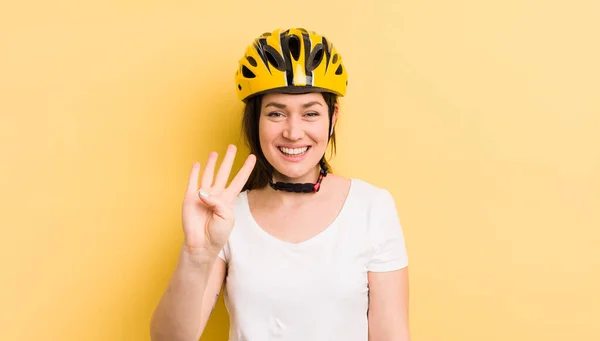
(294, 46)
(339, 70)
(315, 58)
(335, 58)
(274, 57)
(252, 61)
(247, 73)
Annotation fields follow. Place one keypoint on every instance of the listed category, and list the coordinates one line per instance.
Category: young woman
(304, 254)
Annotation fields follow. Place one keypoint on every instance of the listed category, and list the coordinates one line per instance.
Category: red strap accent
(316, 187)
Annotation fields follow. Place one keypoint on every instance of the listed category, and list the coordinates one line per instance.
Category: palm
(207, 222)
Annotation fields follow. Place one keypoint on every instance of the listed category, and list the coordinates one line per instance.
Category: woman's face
(293, 132)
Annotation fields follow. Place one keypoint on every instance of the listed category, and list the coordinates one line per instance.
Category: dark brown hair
(263, 170)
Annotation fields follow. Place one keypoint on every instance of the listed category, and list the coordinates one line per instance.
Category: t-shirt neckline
(305, 243)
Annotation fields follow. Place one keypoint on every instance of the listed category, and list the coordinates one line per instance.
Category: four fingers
(206, 183)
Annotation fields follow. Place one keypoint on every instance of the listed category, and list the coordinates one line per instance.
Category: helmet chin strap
(301, 187)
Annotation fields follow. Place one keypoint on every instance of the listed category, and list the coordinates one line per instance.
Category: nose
(293, 129)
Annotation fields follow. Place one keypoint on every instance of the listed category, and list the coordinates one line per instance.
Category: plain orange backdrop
(481, 118)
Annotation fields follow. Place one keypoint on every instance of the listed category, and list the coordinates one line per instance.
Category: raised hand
(207, 211)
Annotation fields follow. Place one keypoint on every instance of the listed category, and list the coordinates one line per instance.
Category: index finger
(238, 182)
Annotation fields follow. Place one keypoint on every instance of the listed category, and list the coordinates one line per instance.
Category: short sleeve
(386, 235)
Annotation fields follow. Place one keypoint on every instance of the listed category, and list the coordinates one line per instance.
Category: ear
(334, 118)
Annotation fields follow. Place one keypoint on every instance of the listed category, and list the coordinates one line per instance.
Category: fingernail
(203, 194)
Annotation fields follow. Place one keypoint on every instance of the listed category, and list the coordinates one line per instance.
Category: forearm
(177, 316)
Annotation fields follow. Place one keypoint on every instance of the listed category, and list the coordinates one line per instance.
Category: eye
(312, 114)
(274, 114)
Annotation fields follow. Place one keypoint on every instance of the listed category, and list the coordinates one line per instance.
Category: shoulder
(384, 231)
(375, 204)
(370, 194)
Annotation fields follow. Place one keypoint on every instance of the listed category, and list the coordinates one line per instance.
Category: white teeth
(293, 151)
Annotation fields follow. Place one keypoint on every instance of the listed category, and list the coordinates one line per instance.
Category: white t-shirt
(316, 290)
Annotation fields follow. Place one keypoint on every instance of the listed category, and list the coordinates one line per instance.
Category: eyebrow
(282, 106)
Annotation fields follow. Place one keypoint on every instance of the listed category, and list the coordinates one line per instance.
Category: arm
(190, 295)
(388, 306)
(207, 219)
(211, 294)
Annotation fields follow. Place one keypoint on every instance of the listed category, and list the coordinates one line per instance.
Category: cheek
(266, 133)
(319, 133)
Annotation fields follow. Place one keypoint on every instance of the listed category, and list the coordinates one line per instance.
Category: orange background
(481, 118)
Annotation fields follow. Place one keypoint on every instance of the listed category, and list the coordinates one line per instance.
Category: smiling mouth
(293, 152)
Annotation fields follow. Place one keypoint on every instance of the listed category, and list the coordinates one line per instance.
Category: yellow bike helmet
(290, 61)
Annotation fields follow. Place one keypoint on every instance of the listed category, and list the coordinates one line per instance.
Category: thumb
(216, 204)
